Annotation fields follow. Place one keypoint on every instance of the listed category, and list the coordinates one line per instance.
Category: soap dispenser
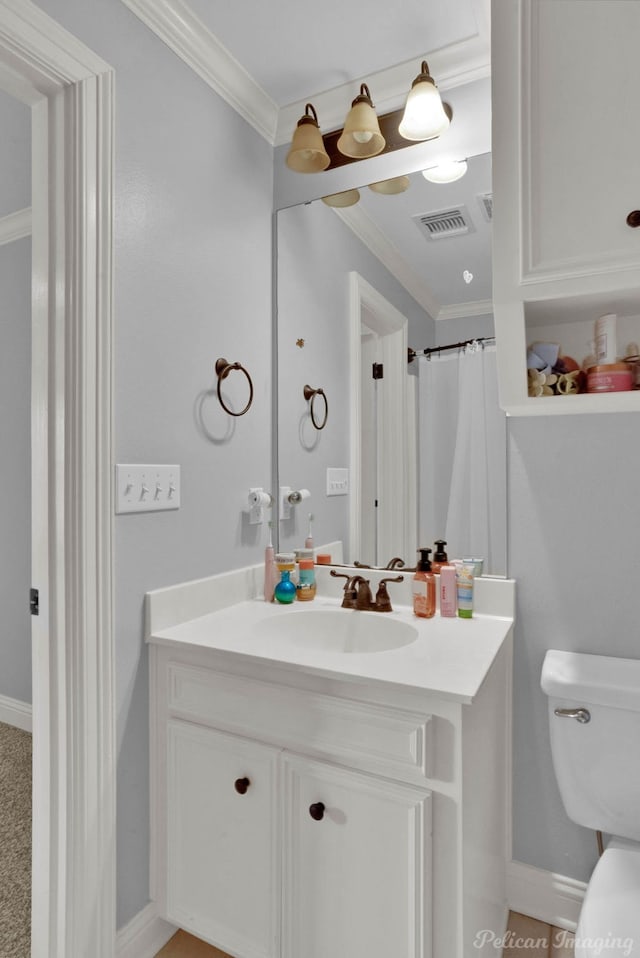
(439, 556)
(424, 587)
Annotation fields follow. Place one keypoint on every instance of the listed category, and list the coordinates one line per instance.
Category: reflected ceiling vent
(443, 223)
(486, 205)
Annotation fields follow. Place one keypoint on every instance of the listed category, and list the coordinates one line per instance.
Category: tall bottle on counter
(424, 587)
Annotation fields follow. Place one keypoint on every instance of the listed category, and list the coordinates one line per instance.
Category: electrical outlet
(337, 482)
(147, 488)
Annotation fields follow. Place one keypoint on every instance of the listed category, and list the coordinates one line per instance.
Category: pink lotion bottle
(448, 591)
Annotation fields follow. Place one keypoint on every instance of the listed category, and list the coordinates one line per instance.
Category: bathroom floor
(525, 938)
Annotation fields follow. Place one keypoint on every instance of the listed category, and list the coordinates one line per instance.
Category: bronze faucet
(350, 595)
(357, 593)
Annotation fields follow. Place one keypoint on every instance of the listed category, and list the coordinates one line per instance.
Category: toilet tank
(597, 763)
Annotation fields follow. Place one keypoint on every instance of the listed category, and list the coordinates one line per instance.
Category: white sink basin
(340, 630)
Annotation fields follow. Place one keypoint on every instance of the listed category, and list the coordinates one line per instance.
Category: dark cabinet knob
(317, 811)
(241, 785)
(633, 219)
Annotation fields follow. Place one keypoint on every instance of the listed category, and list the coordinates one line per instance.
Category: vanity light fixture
(307, 153)
(342, 200)
(361, 136)
(446, 172)
(424, 115)
(397, 184)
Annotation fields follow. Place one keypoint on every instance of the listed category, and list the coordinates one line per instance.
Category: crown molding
(481, 307)
(15, 226)
(176, 24)
(374, 239)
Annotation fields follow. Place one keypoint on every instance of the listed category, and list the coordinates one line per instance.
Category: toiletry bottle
(448, 591)
(306, 588)
(439, 556)
(285, 591)
(308, 542)
(424, 587)
(270, 569)
(464, 588)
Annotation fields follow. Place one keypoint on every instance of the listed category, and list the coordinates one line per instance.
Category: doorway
(70, 94)
(383, 517)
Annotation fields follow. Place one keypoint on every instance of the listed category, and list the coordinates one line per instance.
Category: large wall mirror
(413, 451)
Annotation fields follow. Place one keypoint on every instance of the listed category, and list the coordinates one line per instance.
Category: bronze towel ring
(310, 393)
(223, 368)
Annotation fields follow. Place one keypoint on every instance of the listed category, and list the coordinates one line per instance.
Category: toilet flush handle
(580, 715)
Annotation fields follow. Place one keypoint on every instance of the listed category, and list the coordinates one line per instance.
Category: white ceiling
(295, 49)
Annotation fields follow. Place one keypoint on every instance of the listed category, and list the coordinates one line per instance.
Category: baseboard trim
(144, 935)
(544, 895)
(16, 713)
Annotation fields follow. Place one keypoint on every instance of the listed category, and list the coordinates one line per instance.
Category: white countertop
(450, 657)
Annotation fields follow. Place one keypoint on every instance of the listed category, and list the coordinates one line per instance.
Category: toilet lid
(609, 925)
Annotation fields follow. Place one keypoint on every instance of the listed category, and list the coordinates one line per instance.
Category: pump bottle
(439, 556)
(424, 587)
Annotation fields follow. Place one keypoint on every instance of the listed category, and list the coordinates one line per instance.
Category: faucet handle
(383, 602)
(395, 563)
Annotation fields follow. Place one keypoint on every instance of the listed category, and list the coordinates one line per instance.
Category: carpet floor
(15, 842)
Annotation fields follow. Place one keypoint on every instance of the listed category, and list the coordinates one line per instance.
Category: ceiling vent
(486, 205)
(443, 223)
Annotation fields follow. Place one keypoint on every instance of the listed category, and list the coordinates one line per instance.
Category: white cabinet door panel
(223, 875)
(356, 881)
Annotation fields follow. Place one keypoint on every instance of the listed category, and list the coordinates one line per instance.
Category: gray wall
(316, 252)
(574, 512)
(15, 469)
(15, 407)
(192, 283)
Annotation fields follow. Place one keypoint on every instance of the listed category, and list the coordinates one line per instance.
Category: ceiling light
(340, 200)
(397, 184)
(424, 115)
(361, 136)
(307, 153)
(447, 172)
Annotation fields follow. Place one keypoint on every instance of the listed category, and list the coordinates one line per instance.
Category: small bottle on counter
(424, 587)
(285, 591)
(439, 556)
(448, 591)
(306, 588)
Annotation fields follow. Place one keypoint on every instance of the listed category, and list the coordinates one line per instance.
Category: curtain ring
(223, 368)
(310, 393)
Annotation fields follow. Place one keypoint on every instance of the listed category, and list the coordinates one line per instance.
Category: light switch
(147, 488)
(337, 482)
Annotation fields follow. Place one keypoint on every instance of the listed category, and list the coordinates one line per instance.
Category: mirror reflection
(411, 452)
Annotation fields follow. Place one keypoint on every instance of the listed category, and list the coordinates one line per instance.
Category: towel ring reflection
(312, 394)
(223, 368)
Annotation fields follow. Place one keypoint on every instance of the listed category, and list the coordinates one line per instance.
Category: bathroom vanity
(313, 797)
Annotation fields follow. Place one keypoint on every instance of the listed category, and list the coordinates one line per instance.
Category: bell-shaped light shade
(340, 200)
(361, 136)
(397, 184)
(424, 115)
(447, 172)
(307, 153)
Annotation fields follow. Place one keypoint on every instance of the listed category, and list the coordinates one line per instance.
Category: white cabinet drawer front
(384, 740)
(357, 865)
(223, 874)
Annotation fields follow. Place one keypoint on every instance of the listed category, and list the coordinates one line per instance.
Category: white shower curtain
(462, 480)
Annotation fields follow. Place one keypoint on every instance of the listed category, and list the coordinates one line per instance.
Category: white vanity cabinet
(300, 812)
(566, 142)
(269, 851)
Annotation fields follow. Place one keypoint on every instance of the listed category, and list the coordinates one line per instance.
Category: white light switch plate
(337, 482)
(147, 488)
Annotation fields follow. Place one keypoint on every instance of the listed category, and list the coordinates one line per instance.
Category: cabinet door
(223, 875)
(356, 865)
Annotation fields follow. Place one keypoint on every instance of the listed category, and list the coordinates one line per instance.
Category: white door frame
(70, 91)
(398, 464)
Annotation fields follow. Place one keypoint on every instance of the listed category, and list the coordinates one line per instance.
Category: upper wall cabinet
(566, 167)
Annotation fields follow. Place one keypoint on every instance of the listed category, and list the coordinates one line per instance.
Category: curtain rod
(439, 349)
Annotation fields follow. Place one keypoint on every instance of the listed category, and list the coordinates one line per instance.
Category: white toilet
(594, 717)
